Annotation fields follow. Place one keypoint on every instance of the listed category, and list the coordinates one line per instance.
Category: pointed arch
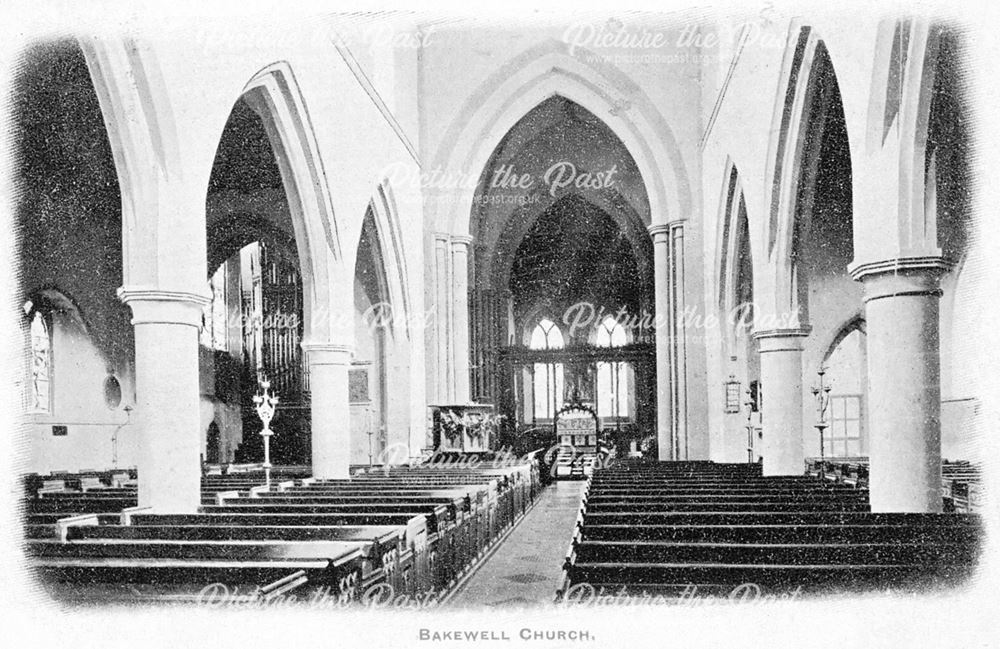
(274, 94)
(855, 323)
(806, 98)
(610, 333)
(902, 91)
(530, 321)
(525, 82)
(389, 238)
(138, 117)
(734, 256)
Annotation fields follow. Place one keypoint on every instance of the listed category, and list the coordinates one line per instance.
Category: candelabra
(822, 395)
(370, 430)
(265, 403)
(749, 426)
(114, 436)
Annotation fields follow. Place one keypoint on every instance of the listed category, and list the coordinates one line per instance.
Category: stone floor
(527, 568)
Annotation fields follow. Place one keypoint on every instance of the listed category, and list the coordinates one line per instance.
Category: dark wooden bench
(180, 570)
(740, 506)
(951, 532)
(666, 530)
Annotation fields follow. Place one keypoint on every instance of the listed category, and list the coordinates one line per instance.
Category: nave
(640, 531)
(665, 327)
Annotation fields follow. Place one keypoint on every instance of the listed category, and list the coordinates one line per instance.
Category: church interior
(500, 314)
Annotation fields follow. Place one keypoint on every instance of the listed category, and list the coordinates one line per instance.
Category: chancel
(497, 315)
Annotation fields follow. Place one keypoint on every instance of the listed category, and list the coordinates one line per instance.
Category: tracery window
(547, 381)
(612, 378)
(40, 367)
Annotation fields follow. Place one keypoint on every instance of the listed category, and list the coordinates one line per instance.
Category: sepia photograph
(598, 325)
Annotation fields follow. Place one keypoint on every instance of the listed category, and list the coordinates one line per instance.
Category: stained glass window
(41, 363)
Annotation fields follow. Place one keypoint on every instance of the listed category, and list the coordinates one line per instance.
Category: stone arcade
(430, 240)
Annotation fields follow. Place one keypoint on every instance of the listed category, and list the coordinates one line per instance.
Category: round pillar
(904, 364)
(666, 443)
(781, 401)
(460, 313)
(330, 408)
(167, 397)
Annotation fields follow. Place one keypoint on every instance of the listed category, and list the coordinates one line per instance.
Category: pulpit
(464, 428)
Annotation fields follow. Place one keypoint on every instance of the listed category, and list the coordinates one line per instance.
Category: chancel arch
(575, 251)
(492, 118)
(538, 74)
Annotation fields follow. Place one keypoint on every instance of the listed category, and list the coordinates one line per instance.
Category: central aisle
(527, 568)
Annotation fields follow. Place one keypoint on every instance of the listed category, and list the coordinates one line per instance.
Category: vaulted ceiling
(575, 252)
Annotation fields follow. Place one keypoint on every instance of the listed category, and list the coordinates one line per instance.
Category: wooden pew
(178, 570)
(445, 518)
(665, 530)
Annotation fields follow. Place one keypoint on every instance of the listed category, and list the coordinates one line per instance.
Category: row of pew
(378, 536)
(961, 481)
(79, 480)
(678, 528)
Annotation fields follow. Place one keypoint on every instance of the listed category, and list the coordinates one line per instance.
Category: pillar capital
(909, 276)
(781, 340)
(327, 353)
(159, 306)
(659, 232)
(459, 241)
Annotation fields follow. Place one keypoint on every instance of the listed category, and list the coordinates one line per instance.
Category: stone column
(781, 400)
(330, 403)
(442, 316)
(167, 411)
(904, 364)
(460, 316)
(661, 269)
(678, 339)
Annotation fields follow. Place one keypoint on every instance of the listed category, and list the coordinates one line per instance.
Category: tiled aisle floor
(527, 568)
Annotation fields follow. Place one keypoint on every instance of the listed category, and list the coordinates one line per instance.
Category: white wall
(77, 391)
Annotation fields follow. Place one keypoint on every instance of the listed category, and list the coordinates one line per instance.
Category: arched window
(39, 395)
(547, 381)
(612, 378)
(846, 373)
(610, 334)
(215, 315)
